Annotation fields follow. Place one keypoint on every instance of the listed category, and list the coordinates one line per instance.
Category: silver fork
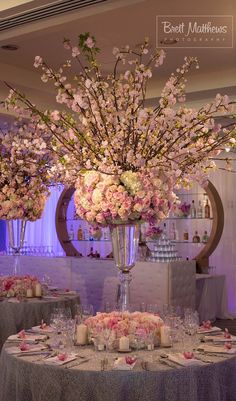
(169, 363)
(71, 364)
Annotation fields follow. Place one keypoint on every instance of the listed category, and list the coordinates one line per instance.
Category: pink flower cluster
(104, 125)
(153, 232)
(105, 199)
(124, 323)
(13, 286)
(25, 163)
(182, 210)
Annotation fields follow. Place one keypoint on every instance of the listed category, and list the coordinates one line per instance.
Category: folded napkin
(61, 359)
(217, 349)
(29, 350)
(13, 300)
(124, 363)
(181, 360)
(52, 288)
(28, 337)
(204, 330)
(220, 338)
(44, 330)
(66, 292)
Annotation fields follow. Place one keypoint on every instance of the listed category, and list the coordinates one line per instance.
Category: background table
(23, 315)
(211, 297)
(22, 380)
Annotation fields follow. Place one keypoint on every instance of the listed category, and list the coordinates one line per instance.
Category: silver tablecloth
(22, 380)
(17, 316)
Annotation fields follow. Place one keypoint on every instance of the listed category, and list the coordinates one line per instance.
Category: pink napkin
(46, 329)
(204, 330)
(217, 349)
(180, 359)
(29, 338)
(220, 338)
(124, 363)
(60, 359)
(30, 349)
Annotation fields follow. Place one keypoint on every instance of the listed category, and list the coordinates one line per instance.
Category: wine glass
(87, 311)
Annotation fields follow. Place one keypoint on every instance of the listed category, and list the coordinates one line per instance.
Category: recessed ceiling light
(168, 41)
(10, 47)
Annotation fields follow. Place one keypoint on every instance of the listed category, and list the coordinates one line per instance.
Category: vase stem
(124, 298)
(125, 239)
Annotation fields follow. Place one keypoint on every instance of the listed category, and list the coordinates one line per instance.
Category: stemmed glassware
(106, 335)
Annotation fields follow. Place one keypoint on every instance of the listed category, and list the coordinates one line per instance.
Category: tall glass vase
(16, 234)
(125, 239)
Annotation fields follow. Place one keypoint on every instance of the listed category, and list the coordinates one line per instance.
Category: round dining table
(15, 316)
(31, 378)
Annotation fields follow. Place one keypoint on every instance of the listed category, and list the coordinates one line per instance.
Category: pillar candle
(81, 334)
(38, 290)
(165, 336)
(29, 293)
(124, 344)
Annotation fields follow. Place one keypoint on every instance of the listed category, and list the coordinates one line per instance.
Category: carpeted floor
(230, 324)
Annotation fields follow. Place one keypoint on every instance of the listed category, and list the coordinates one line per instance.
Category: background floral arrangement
(182, 210)
(153, 232)
(107, 128)
(95, 232)
(25, 163)
(124, 324)
(13, 286)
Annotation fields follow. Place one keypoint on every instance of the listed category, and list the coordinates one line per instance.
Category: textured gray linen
(17, 316)
(21, 380)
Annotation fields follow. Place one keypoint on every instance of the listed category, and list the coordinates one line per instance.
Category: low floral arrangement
(25, 163)
(125, 324)
(14, 286)
(153, 233)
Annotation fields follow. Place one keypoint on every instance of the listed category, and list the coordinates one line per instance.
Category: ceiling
(113, 23)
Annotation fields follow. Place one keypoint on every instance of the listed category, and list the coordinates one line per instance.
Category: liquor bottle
(106, 234)
(196, 238)
(205, 237)
(71, 233)
(207, 210)
(193, 210)
(174, 235)
(199, 210)
(80, 236)
(185, 235)
(86, 233)
(63, 210)
(164, 232)
(91, 254)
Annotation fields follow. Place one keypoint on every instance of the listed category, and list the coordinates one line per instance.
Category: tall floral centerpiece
(124, 158)
(25, 162)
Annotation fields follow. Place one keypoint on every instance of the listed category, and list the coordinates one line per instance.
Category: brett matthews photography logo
(202, 31)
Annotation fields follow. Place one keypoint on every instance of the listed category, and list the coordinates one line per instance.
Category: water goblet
(87, 311)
